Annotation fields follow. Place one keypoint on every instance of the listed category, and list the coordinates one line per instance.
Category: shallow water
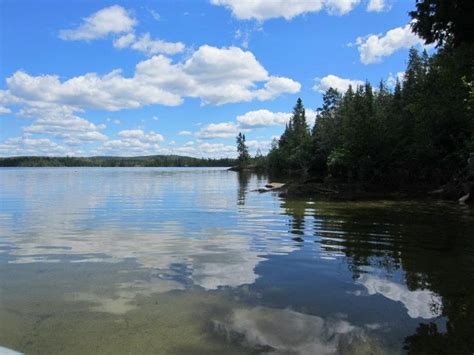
(159, 260)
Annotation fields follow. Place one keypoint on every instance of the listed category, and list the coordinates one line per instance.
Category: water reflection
(418, 254)
(419, 303)
(274, 274)
(285, 331)
(244, 179)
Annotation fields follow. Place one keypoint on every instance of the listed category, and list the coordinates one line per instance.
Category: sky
(183, 77)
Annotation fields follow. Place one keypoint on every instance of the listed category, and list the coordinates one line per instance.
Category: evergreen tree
(444, 22)
(242, 150)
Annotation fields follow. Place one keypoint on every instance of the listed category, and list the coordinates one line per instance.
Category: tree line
(108, 161)
(420, 131)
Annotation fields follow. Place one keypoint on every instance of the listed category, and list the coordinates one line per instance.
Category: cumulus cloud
(377, 6)
(151, 137)
(61, 122)
(184, 133)
(335, 82)
(134, 142)
(110, 20)
(262, 118)
(206, 149)
(276, 85)
(26, 145)
(214, 75)
(111, 92)
(218, 130)
(217, 148)
(262, 10)
(249, 121)
(227, 75)
(373, 48)
(148, 45)
(124, 41)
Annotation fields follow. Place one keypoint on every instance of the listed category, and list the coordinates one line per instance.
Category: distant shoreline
(116, 161)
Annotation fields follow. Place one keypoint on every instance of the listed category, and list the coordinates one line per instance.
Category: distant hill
(111, 161)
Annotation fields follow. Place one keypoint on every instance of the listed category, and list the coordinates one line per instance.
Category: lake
(191, 260)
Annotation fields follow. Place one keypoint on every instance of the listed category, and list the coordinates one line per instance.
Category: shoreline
(354, 192)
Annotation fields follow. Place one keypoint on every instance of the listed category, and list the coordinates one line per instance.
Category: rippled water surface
(193, 261)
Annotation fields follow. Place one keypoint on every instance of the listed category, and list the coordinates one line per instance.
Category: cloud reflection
(419, 304)
(288, 332)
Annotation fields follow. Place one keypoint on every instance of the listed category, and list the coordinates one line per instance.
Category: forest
(418, 132)
(109, 161)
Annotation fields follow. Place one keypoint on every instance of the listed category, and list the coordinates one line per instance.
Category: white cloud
(134, 142)
(373, 48)
(262, 118)
(340, 7)
(148, 45)
(335, 82)
(6, 98)
(276, 85)
(124, 41)
(184, 133)
(151, 47)
(111, 92)
(218, 130)
(229, 75)
(249, 121)
(262, 10)
(392, 79)
(262, 145)
(206, 149)
(217, 149)
(4, 110)
(151, 137)
(113, 19)
(377, 6)
(58, 121)
(61, 122)
(30, 146)
(215, 75)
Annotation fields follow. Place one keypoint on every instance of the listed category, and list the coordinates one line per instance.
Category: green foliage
(292, 152)
(242, 150)
(147, 161)
(260, 161)
(445, 22)
(421, 131)
(339, 163)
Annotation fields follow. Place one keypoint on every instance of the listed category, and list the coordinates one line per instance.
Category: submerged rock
(271, 187)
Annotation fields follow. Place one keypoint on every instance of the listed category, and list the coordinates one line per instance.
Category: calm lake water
(162, 260)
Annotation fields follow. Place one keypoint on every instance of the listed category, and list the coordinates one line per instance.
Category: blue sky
(182, 77)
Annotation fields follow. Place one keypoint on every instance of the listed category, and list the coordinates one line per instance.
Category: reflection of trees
(362, 235)
(296, 209)
(244, 179)
(435, 249)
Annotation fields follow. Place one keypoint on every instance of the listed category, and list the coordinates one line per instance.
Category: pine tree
(242, 150)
